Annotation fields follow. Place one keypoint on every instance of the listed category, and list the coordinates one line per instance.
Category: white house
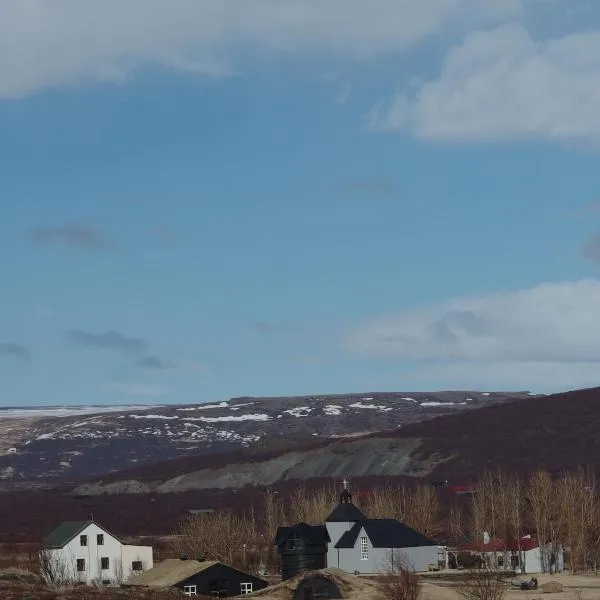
(361, 545)
(525, 555)
(85, 552)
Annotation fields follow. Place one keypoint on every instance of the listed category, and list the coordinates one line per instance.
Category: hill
(74, 443)
(551, 432)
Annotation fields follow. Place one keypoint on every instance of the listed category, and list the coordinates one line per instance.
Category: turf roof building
(199, 578)
(85, 552)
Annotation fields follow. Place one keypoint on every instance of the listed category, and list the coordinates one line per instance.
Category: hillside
(551, 432)
(70, 444)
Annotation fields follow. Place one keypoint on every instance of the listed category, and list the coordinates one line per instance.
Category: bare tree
(54, 569)
(482, 584)
(218, 536)
(311, 506)
(399, 581)
(417, 506)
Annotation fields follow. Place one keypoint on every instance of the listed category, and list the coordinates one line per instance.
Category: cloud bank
(538, 335)
(501, 83)
(50, 44)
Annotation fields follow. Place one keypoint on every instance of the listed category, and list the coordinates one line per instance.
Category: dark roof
(314, 535)
(345, 512)
(64, 533)
(385, 533)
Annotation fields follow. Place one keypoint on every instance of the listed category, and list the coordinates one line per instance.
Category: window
(137, 565)
(189, 590)
(292, 542)
(218, 588)
(104, 563)
(364, 548)
(245, 588)
(83, 540)
(80, 565)
(500, 561)
(100, 539)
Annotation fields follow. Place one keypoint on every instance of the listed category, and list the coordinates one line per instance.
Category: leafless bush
(402, 585)
(482, 584)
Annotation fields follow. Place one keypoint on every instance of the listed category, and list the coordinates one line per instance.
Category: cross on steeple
(345, 483)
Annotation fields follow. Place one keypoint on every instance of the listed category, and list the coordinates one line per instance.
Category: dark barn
(301, 548)
(199, 578)
(313, 587)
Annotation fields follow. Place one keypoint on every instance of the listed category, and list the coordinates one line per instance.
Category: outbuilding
(301, 548)
(199, 578)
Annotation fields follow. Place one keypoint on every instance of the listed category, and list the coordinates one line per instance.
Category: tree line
(559, 511)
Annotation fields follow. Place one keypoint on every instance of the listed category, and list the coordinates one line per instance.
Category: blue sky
(208, 199)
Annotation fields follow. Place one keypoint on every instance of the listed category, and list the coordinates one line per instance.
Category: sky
(212, 198)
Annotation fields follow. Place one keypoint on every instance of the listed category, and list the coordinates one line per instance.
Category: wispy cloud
(262, 327)
(154, 363)
(111, 340)
(380, 187)
(14, 349)
(81, 236)
(591, 249)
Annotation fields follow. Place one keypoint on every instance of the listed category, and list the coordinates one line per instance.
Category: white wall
(64, 560)
(531, 560)
(335, 531)
(380, 559)
(131, 554)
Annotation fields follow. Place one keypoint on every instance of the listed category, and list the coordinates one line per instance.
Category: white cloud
(501, 83)
(48, 44)
(548, 333)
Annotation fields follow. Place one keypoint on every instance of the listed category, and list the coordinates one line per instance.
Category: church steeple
(345, 495)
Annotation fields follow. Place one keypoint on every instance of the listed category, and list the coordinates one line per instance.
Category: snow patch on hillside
(448, 404)
(206, 406)
(332, 410)
(260, 417)
(300, 411)
(371, 406)
(161, 417)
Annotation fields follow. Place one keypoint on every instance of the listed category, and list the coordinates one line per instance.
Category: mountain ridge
(84, 444)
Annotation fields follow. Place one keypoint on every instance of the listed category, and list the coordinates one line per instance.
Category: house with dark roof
(362, 545)
(85, 552)
(199, 578)
(301, 548)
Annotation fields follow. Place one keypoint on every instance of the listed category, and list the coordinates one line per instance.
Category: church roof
(385, 533)
(345, 512)
(314, 535)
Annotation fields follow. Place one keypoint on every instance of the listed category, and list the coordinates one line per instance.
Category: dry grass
(20, 591)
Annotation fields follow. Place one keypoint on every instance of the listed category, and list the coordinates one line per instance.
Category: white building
(524, 555)
(361, 545)
(85, 552)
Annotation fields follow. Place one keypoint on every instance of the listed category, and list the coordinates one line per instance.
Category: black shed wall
(303, 557)
(228, 579)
